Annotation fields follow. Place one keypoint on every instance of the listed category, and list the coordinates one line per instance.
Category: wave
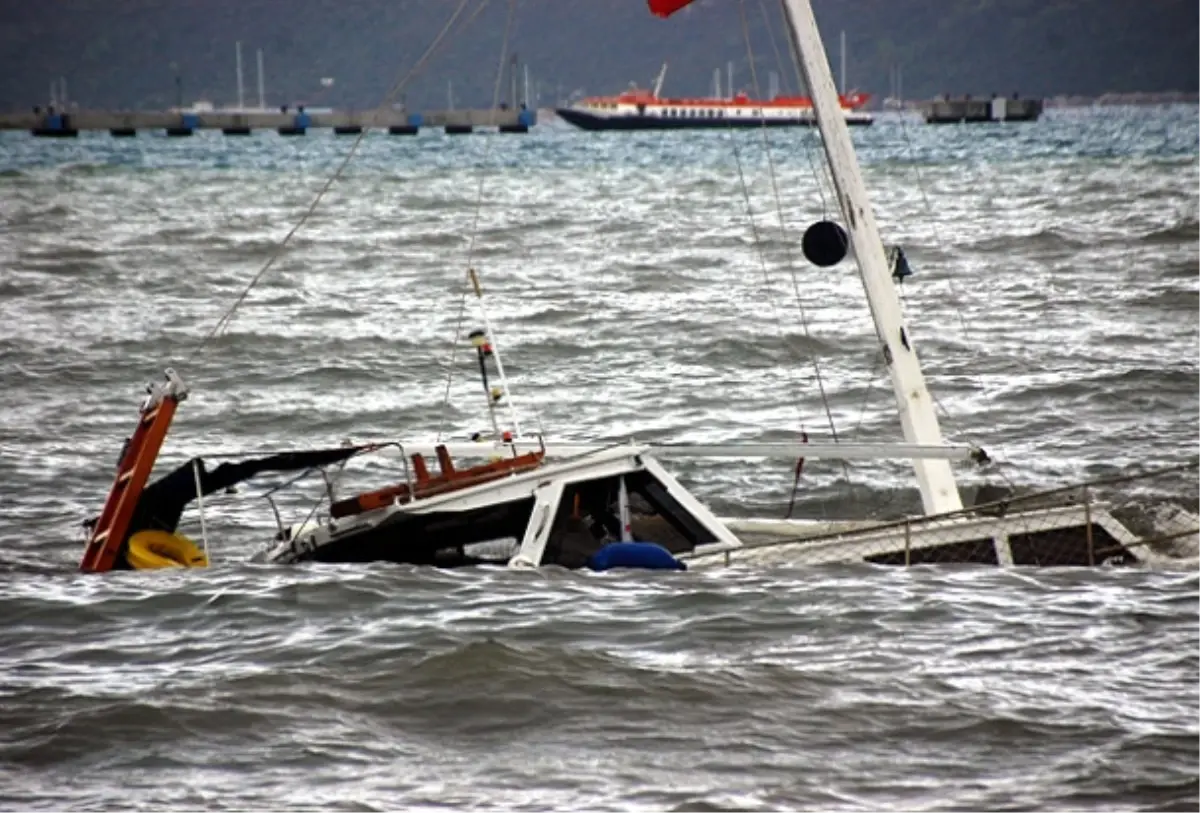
(1044, 239)
(1186, 230)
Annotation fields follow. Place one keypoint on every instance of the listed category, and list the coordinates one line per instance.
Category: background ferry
(639, 109)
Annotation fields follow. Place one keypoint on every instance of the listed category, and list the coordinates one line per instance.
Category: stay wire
(774, 43)
(397, 87)
(462, 303)
(785, 242)
(955, 296)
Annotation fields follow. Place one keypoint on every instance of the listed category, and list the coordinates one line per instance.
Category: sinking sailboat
(531, 503)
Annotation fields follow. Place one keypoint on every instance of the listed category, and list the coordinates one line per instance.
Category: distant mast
(241, 95)
(262, 88)
(843, 63)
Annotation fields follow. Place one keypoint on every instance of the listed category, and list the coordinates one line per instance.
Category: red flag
(665, 8)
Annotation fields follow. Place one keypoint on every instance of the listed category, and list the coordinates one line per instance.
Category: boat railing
(1110, 519)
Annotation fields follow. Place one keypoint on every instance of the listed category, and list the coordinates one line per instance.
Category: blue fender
(640, 555)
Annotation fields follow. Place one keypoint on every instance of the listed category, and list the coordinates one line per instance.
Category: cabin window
(977, 551)
(588, 518)
(1059, 547)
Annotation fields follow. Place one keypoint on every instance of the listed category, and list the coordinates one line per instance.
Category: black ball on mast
(824, 243)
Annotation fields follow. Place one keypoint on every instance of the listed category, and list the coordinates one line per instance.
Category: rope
(819, 170)
(937, 237)
(955, 298)
(796, 479)
(762, 257)
(774, 45)
(471, 256)
(784, 234)
(400, 84)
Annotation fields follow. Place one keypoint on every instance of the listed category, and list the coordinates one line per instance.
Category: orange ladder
(133, 471)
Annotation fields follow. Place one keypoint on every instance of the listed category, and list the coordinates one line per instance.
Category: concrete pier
(966, 109)
(290, 123)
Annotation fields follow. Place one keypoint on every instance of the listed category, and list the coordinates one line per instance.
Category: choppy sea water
(1055, 307)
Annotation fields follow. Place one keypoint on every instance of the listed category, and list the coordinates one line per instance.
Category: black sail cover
(163, 501)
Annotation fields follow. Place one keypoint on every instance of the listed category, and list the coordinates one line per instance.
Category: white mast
(939, 493)
(262, 88)
(241, 97)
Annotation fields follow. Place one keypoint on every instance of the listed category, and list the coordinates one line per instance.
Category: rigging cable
(400, 84)
(819, 170)
(472, 274)
(783, 232)
(775, 47)
(768, 292)
(955, 300)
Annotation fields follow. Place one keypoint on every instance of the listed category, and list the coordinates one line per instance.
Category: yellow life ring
(150, 550)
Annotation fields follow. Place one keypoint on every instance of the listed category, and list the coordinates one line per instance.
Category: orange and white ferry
(638, 109)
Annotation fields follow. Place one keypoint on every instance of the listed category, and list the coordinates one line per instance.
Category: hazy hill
(120, 53)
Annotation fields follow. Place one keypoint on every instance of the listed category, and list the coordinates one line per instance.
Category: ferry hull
(590, 121)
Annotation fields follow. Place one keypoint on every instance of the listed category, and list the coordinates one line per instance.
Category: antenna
(241, 97)
(262, 93)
